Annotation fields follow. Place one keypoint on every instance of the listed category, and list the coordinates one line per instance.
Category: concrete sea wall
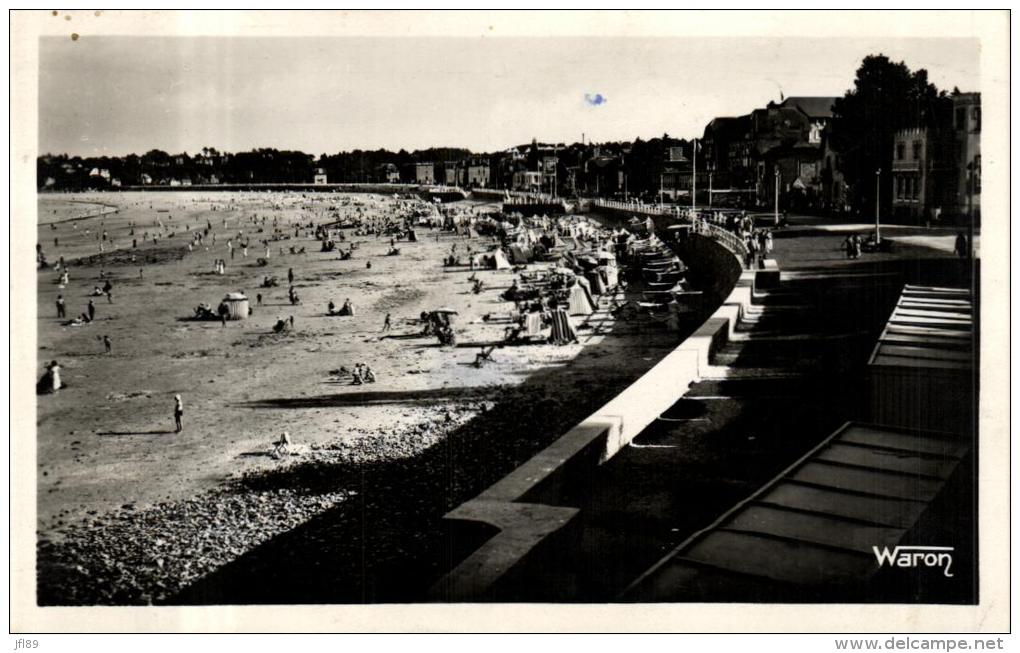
(526, 505)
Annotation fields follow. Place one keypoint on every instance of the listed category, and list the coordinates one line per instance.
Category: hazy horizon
(112, 96)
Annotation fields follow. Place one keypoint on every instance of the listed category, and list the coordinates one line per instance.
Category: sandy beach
(122, 497)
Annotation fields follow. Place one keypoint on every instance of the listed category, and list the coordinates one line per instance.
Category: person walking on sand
(108, 344)
(178, 414)
(386, 323)
(290, 276)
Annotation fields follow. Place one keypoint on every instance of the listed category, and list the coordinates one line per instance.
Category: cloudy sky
(116, 95)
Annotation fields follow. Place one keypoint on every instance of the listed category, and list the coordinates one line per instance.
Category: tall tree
(887, 96)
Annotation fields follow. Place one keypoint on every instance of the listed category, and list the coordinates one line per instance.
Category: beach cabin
(921, 372)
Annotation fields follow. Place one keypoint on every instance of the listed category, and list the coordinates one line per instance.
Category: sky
(114, 95)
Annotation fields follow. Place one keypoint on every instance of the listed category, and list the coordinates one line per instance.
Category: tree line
(886, 96)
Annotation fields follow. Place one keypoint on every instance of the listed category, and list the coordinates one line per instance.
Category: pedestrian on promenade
(960, 248)
(752, 255)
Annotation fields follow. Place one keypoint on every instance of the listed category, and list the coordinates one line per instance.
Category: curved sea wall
(527, 506)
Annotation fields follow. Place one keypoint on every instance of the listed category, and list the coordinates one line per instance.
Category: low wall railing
(706, 222)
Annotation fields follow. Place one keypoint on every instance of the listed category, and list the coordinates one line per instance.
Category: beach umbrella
(448, 311)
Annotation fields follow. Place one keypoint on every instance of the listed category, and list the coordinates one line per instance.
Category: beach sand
(131, 512)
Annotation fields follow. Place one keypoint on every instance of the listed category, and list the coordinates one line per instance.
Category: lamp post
(878, 189)
(777, 197)
(694, 179)
(970, 209)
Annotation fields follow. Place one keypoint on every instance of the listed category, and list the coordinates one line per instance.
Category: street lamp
(777, 197)
(970, 208)
(878, 188)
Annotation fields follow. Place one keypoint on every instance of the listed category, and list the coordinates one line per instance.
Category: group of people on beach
(201, 237)
(346, 310)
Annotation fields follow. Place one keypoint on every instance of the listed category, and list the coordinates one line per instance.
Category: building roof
(729, 127)
(811, 106)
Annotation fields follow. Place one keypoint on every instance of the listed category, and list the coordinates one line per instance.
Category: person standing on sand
(92, 310)
(61, 311)
(290, 276)
(54, 374)
(178, 413)
(108, 344)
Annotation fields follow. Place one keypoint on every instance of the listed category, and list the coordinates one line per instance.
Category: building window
(975, 114)
(899, 151)
(914, 188)
(917, 150)
(961, 119)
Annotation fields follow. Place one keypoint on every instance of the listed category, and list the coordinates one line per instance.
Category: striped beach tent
(237, 306)
(562, 329)
(580, 301)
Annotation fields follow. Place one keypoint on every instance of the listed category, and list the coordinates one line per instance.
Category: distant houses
(788, 150)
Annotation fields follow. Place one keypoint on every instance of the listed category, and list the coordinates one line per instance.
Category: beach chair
(484, 355)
